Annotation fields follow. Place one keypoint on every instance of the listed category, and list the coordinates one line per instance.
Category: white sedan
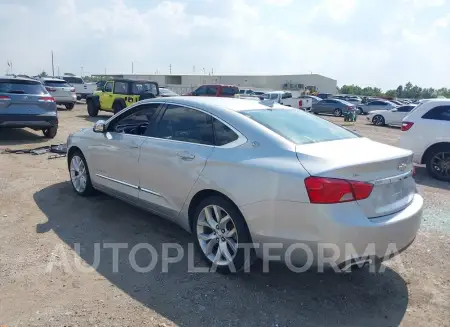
(389, 117)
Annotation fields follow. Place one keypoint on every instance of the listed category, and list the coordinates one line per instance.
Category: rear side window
(438, 113)
(298, 126)
(223, 134)
(286, 95)
(21, 87)
(73, 80)
(185, 124)
(56, 83)
(226, 90)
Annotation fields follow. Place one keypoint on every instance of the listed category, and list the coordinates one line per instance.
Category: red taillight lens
(333, 190)
(300, 103)
(406, 126)
(47, 99)
(72, 90)
(51, 89)
(4, 98)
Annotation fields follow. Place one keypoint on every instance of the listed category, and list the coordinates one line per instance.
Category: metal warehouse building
(185, 83)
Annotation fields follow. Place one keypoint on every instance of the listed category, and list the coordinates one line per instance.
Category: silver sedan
(236, 172)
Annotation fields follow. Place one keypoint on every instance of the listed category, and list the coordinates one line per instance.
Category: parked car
(25, 102)
(332, 106)
(215, 90)
(313, 98)
(120, 93)
(63, 93)
(324, 95)
(165, 92)
(426, 131)
(246, 92)
(209, 165)
(82, 88)
(376, 105)
(285, 98)
(389, 117)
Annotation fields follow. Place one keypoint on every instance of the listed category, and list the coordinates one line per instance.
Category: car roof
(219, 103)
(276, 92)
(52, 79)
(19, 78)
(129, 80)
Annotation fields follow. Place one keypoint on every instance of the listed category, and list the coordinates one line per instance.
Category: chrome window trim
(238, 142)
(118, 181)
(149, 191)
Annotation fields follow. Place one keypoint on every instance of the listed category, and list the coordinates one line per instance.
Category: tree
(43, 74)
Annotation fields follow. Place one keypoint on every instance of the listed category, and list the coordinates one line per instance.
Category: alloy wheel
(440, 163)
(78, 174)
(217, 235)
(378, 120)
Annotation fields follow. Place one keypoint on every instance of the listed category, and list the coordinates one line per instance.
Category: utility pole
(132, 67)
(193, 69)
(212, 71)
(170, 69)
(204, 71)
(81, 71)
(58, 71)
(53, 66)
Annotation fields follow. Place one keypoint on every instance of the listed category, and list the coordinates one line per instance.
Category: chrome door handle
(184, 155)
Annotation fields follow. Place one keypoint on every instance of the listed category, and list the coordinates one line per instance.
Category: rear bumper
(340, 231)
(32, 121)
(66, 99)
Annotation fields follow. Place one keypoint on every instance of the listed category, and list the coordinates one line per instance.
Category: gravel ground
(42, 220)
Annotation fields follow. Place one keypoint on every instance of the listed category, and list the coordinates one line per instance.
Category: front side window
(135, 122)
(211, 90)
(185, 124)
(121, 88)
(438, 113)
(298, 126)
(201, 90)
(108, 87)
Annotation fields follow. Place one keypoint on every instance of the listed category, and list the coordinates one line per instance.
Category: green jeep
(120, 93)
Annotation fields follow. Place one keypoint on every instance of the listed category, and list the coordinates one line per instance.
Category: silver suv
(25, 102)
(63, 93)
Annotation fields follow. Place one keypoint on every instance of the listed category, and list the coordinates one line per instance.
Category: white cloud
(368, 42)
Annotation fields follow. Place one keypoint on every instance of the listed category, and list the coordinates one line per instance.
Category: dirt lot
(42, 220)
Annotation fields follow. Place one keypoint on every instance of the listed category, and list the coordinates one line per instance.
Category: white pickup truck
(288, 99)
(82, 89)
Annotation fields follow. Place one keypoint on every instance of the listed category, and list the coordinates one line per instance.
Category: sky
(382, 43)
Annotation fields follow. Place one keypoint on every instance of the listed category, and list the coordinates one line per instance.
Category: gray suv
(25, 102)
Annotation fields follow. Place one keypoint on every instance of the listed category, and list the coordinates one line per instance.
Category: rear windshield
(298, 126)
(21, 87)
(56, 83)
(73, 80)
(143, 87)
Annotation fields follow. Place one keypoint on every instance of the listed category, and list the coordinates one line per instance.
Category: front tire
(117, 107)
(50, 132)
(219, 231)
(361, 111)
(337, 112)
(378, 120)
(438, 163)
(79, 174)
(92, 108)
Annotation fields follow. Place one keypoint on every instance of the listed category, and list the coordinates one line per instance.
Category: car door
(173, 157)
(396, 115)
(212, 91)
(106, 97)
(115, 154)
(201, 91)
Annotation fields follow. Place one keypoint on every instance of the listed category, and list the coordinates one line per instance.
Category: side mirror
(100, 126)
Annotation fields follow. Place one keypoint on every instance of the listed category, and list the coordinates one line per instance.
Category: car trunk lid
(388, 168)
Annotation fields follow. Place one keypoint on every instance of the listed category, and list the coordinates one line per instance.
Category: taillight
(333, 190)
(72, 90)
(414, 171)
(406, 126)
(51, 89)
(4, 98)
(47, 99)
(300, 103)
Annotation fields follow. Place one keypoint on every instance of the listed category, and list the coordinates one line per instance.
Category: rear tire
(361, 112)
(50, 132)
(438, 161)
(117, 107)
(378, 120)
(218, 240)
(337, 112)
(92, 108)
(70, 106)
